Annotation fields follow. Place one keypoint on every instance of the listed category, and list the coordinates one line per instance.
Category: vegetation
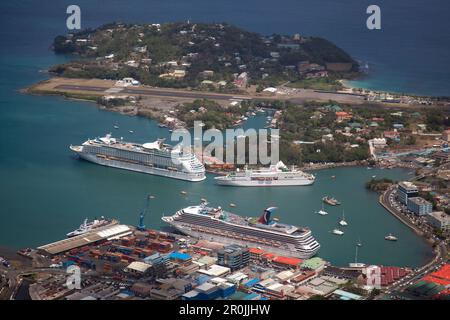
(224, 49)
(208, 112)
(324, 84)
(379, 185)
(436, 120)
(306, 123)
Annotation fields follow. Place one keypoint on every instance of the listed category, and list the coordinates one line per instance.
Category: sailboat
(322, 212)
(343, 222)
(359, 243)
(357, 264)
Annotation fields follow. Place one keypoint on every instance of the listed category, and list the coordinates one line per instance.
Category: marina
(118, 193)
(36, 131)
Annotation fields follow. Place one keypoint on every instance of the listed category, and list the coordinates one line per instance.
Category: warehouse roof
(138, 266)
(85, 239)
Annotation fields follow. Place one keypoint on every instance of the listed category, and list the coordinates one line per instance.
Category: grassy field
(317, 84)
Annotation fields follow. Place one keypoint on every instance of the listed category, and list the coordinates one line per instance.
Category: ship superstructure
(275, 175)
(154, 158)
(215, 224)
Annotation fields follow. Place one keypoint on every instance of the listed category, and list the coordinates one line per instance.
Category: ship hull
(141, 168)
(264, 183)
(219, 237)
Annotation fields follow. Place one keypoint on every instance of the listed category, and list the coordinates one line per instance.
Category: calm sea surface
(45, 192)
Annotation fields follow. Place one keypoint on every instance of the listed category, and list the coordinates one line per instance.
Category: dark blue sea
(45, 192)
(409, 54)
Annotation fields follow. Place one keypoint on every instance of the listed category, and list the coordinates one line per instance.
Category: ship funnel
(265, 217)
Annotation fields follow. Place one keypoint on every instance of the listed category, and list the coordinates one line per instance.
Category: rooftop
(138, 266)
(85, 239)
(441, 216)
(419, 201)
(407, 185)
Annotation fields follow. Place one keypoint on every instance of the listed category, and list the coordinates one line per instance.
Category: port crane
(141, 225)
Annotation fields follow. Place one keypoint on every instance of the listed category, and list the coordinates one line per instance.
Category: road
(14, 278)
(156, 92)
(298, 97)
(388, 202)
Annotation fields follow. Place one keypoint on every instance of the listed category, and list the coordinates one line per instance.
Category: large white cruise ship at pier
(215, 224)
(154, 158)
(275, 175)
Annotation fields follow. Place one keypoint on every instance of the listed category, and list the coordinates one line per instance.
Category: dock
(95, 236)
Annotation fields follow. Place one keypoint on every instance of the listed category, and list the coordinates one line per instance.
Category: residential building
(446, 135)
(439, 219)
(393, 135)
(343, 116)
(441, 156)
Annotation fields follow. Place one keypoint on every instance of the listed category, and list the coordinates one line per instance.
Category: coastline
(352, 89)
(435, 248)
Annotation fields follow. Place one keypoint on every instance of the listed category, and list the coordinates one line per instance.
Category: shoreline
(410, 225)
(351, 89)
(11, 249)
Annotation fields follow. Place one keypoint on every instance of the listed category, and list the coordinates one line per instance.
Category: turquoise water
(45, 192)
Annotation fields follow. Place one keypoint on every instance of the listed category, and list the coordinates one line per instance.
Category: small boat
(130, 131)
(4, 262)
(343, 222)
(331, 201)
(373, 177)
(322, 212)
(116, 126)
(183, 192)
(333, 177)
(232, 205)
(390, 237)
(337, 232)
(88, 226)
(162, 125)
(359, 243)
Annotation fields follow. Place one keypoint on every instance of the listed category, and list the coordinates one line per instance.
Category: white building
(440, 220)
(137, 267)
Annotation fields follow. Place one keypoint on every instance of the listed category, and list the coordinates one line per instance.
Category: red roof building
(442, 276)
(287, 262)
(343, 116)
(391, 135)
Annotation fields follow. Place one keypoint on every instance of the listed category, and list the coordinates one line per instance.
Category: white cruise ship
(152, 158)
(275, 175)
(215, 224)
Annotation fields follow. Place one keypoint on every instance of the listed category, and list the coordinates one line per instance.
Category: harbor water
(46, 192)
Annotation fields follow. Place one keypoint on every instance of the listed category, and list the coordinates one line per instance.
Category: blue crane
(141, 226)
